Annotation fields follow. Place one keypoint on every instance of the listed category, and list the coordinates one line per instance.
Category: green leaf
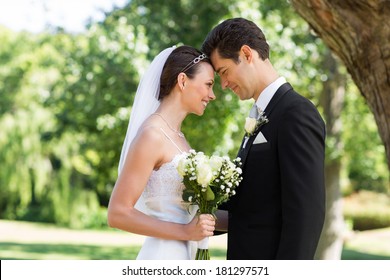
(209, 194)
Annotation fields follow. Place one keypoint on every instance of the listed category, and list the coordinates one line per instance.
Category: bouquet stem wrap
(203, 250)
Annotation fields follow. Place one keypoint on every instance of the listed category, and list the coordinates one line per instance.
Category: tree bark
(358, 32)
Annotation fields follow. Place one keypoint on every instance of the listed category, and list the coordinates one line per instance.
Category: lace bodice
(165, 181)
(163, 194)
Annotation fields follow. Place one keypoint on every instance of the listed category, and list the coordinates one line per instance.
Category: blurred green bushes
(367, 210)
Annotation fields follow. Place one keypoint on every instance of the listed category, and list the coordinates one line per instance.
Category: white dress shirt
(267, 94)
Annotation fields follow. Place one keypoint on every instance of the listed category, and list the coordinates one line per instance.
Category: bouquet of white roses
(208, 181)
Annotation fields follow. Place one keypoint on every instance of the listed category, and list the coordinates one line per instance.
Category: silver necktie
(254, 113)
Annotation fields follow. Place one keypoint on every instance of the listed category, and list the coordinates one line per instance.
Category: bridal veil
(145, 103)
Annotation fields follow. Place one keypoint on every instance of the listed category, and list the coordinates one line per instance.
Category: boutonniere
(251, 124)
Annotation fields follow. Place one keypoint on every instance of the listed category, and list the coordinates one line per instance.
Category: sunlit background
(69, 70)
(71, 15)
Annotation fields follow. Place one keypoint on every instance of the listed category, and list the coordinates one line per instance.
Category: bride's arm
(144, 154)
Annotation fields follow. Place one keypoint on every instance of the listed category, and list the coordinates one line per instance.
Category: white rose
(204, 173)
(250, 125)
(200, 157)
(182, 166)
(216, 163)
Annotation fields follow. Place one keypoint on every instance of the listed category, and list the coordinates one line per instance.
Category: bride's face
(199, 90)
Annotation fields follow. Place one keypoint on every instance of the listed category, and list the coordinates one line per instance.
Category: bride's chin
(199, 113)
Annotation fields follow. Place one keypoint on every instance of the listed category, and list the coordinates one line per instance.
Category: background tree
(358, 32)
(38, 181)
(332, 101)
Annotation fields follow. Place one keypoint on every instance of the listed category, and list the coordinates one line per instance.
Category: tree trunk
(332, 237)
(358, 32)
(332, 100)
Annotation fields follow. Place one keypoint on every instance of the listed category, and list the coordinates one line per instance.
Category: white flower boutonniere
(251, 124)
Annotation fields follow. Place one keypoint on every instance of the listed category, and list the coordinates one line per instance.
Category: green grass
(356, 255)
(17, 251)
(42, 251)
(368, 245)
(32, 251)
(373, 245)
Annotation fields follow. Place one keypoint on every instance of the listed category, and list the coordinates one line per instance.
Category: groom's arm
(301, 157)
(222, 222)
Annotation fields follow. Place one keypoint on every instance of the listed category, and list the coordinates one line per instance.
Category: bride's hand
(201, 226)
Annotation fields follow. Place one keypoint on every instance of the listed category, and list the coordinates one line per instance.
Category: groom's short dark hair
(230, 35)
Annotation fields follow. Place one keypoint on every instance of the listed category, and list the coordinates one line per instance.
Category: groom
(278, 211)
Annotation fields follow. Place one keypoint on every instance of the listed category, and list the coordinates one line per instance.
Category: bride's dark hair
(183, 59)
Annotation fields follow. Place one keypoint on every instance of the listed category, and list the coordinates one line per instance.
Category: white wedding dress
(163, 200)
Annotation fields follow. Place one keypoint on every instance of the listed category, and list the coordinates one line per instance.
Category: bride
(146, 198)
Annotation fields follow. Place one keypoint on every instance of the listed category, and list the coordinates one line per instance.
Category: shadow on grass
(356, 255)
(42, 251)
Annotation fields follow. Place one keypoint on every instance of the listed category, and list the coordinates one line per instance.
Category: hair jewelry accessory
(196, 60)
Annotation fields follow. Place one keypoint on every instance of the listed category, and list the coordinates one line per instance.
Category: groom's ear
(247, 53)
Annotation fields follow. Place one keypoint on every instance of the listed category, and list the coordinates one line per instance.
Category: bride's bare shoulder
(149, 133)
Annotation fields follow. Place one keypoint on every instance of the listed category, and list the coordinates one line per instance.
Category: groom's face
(233, 75)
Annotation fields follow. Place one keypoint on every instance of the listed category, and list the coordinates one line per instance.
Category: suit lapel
(277, 96)
(243, 152)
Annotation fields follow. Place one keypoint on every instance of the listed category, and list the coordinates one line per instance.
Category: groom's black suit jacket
(279, 208)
